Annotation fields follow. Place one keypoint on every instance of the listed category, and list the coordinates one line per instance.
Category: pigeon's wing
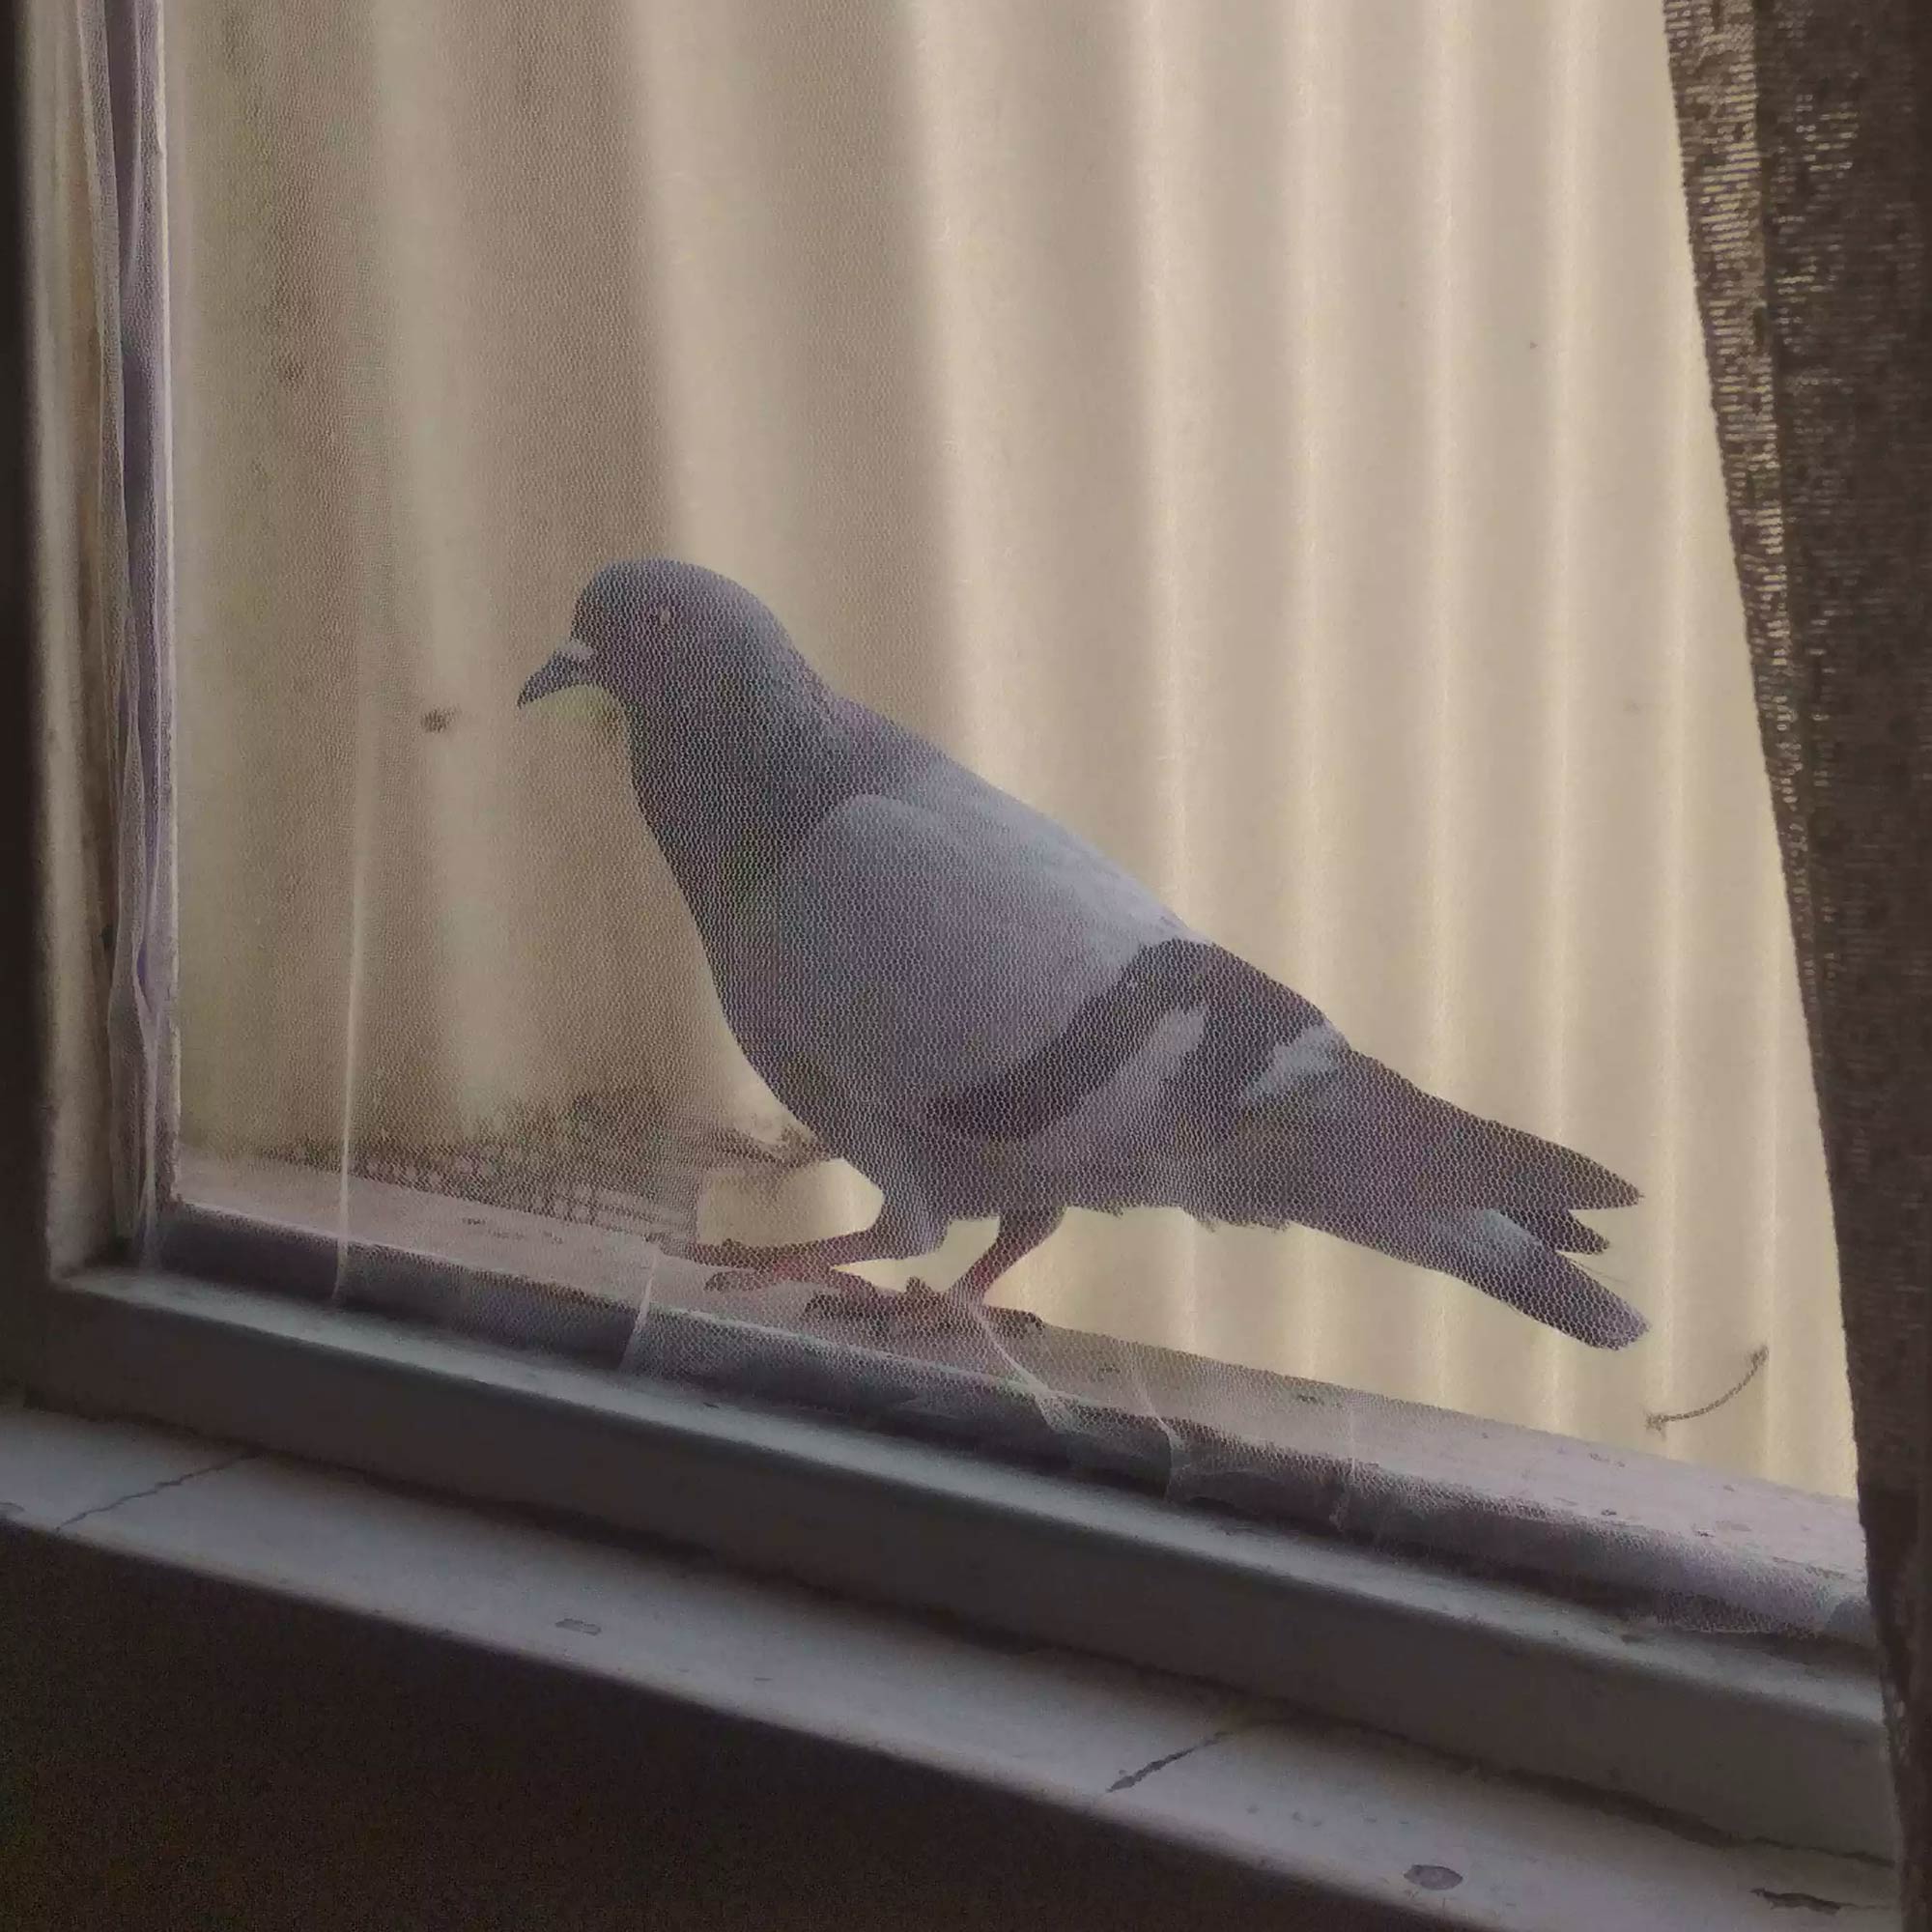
(918, 944)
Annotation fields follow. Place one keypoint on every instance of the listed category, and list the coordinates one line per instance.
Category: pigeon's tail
(1495, 1251)
(1358, 1151)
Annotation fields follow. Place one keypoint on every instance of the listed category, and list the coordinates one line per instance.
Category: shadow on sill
(181, 1753)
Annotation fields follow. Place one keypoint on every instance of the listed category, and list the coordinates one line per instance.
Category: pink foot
(745, 1268)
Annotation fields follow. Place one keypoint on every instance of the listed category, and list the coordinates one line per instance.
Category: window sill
(1658, 1540)
(1753, 1739)
(1354, 1816)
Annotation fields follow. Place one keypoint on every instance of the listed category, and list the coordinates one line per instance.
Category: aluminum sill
(1750, 1738)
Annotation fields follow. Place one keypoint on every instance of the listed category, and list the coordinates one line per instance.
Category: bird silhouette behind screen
(989, 1018)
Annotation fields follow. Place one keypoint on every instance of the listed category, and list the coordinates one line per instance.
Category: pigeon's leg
(1017, 1236)
(1019, 1232)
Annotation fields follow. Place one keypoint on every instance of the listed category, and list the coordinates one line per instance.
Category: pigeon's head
(669, 639)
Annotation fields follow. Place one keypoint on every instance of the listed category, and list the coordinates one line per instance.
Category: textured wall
(1268, 434)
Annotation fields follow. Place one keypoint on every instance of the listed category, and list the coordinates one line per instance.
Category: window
(1269, 440)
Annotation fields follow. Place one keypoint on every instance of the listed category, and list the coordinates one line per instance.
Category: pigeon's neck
(727, 804)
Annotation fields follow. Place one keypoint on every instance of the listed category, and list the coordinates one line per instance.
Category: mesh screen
(1116, 514)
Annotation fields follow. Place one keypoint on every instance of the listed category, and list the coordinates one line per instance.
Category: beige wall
(1268, 434)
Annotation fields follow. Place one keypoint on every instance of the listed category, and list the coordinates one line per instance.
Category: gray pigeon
(988, 1018)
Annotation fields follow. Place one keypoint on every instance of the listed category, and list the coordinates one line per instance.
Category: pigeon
(990, 1019)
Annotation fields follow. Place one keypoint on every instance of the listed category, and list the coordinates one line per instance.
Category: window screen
(1268, 442)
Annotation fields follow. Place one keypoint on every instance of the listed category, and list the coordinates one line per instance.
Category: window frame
(1744, 1736)
(25, 973)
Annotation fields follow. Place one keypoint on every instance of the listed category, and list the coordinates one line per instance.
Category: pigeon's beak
(571, 665)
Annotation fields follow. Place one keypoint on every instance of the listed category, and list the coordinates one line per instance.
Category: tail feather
(1361, 1153)
(1493, 1251)
(1559, 1229)
(1361, 1127)
(1488, 1250)
(1460, 1155)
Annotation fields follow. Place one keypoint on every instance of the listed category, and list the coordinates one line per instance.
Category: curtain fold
(1806, 139)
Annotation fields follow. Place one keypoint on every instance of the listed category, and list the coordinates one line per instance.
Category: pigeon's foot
(860, 1301)
(745, 1268)
(928, 1311)
(919, 1312)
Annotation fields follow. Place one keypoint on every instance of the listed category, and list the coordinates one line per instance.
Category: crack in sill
(155, 1489)
(1129, 1780)
(1803, 1901)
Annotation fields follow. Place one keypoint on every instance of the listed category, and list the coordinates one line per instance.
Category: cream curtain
(1270, 435)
